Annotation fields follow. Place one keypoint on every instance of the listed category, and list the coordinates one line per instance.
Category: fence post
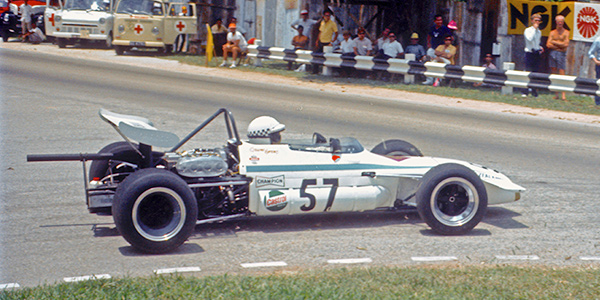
(257, 61)
(409, 79)
(326, 70)
(507, 90)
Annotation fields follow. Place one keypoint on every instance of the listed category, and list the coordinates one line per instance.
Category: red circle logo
(588, 22)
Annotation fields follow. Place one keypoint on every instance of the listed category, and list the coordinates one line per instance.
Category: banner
(587, 22)
(520, 11)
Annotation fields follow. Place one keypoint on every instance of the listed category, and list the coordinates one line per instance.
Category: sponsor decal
(336, 157)
(520, 11)
(254, 159)
(276, 200)
(587, 22)
(264, 150)
(276, 181)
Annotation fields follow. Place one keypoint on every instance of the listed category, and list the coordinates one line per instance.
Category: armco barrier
(519, 79)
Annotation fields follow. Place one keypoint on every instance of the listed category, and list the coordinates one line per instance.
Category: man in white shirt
(25, 11)
(533, 49)
(347, 46)
(384, 39)
(393, 49)
(236, 44)
(34, 35)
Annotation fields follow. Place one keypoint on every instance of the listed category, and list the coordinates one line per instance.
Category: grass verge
(574, 103)
(497, 282)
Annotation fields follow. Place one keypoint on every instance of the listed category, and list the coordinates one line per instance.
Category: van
(157, 24)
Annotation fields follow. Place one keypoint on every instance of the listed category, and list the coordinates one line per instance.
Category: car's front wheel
(451, 199)
(155, 210)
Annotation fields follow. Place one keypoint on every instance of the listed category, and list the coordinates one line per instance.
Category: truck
(79, 21)
(147, 24)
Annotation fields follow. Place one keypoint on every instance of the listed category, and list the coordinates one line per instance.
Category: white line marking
(350, 261)
(177, 270)
(589, 257)
(518, 257)
(433, 258)
(87, 277)
(265, 264)
(6, 286)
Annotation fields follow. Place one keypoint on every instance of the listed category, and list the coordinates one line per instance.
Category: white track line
(350, 261)
(518, 257)
(590, 258)
(264, 264)
(87, 277)
(5, 286)
(433, 258)
(177, 270)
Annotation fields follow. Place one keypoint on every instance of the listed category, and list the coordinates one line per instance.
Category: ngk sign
(587, 21)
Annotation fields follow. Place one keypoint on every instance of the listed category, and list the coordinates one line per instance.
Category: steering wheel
(318, 138)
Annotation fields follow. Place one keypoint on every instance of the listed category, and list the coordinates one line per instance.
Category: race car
(157, 198)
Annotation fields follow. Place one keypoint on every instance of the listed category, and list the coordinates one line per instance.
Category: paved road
(50, 103)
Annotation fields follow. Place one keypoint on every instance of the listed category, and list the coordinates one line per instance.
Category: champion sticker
(276, 181)
(254, 159)
(276, 200)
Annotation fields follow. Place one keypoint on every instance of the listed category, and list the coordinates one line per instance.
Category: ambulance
(77, 21)
(158, 24)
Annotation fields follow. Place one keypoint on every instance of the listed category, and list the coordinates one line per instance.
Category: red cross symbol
(180, 26)
(138, 29)
(51, 19)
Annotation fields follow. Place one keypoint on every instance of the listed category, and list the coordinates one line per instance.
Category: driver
(265, 130)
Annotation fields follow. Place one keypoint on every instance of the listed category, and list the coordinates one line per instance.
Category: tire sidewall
(127, 195)
(390, 146)
(99, 168)
(433, 180)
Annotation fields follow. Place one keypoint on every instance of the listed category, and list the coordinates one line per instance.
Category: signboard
(587, 22)
(520, 11)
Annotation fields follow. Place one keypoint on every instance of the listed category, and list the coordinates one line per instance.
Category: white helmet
(265, 129)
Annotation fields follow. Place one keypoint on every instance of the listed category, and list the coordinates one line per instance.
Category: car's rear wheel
(451, 199)
(396, 148)
(155, 210)
(124, 153)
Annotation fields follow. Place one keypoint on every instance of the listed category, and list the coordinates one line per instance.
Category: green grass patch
(497, 282)
(574, 103)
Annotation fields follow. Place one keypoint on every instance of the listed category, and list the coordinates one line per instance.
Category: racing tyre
(452, 199)
(124, 152)
(396, 148)
(155, 210)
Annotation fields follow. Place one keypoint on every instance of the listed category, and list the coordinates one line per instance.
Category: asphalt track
(50, 104)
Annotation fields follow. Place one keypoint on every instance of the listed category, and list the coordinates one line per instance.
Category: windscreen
(97, 5)
(144, 7)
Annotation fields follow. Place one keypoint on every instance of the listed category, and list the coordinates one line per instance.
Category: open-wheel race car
(157, 198)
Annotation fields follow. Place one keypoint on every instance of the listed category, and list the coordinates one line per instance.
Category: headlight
(6, 18)
(57, 18)
(102, 21)
(121, 29)
(155, 31)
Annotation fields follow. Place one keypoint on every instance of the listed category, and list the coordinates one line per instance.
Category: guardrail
(507, 78)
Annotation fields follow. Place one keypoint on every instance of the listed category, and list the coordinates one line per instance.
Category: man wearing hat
(236, 44)
(306, 24)
(415, 48)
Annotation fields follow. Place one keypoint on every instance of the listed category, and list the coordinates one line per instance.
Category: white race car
(157, 198)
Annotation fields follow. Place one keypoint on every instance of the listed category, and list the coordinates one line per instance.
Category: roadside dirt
(157, 63)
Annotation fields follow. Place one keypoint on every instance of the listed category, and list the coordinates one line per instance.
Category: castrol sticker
(275, 200)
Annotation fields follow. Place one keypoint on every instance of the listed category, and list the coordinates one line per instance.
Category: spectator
(34, 35)
(236, 44)
(382, 40)
(533, 50)
(218, 27)
(415, 48)
(240, 28)
(299, 42)
(445, 53)
(594, 54)
(436, 35)
(488, 64)
(558, 42)
(25, 10)
(392, 49)
(328, 32)
(453, 27)
(348, 45)
(305, 22)
(363, 46)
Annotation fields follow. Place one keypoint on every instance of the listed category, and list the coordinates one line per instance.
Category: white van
(71, 21)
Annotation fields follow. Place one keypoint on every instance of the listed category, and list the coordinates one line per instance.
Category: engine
(199, 162)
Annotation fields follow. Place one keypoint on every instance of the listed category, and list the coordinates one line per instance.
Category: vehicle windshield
(97, 5)
(144, 7)
(3, 3)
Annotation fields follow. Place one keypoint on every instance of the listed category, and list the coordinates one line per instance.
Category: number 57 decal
(334, 182)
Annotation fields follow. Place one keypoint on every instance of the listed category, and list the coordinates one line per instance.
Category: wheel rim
(454, 201)
(158, 214)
